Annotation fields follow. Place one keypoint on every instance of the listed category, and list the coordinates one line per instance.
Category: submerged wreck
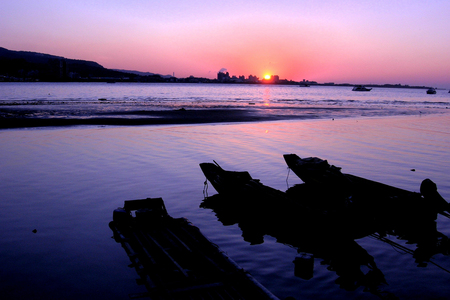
(406, 215)
(175, 260)
(323, 217)
(331, 203)
(381, 201)
(286, 212)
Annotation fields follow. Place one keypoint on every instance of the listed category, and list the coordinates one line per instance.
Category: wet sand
(167, 117)
(24, 116)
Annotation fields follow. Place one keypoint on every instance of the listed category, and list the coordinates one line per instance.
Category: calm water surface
(65, 182)
(52, 100)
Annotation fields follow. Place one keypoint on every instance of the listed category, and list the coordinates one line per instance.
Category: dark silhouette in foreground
(322, 218)
(173, 258)
(342, 255)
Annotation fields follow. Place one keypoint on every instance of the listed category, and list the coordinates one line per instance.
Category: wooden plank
(175, 261)
(155, 203)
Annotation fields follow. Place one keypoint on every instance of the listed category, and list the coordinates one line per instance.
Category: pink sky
(365, 42)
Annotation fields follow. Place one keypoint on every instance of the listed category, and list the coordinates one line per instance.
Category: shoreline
(177, 117)
(137, 118)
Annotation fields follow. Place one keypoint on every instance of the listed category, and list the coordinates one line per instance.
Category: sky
(359, 42)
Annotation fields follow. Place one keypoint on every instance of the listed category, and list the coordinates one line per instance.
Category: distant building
(307, 82)
(223, 77)
(253, 79)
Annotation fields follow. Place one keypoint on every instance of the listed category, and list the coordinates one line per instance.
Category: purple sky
(365, 42)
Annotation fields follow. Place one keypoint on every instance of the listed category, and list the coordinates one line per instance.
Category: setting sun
(267, 77)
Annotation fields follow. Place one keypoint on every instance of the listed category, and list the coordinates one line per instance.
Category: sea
(60, 184)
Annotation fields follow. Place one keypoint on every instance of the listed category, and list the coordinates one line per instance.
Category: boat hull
(175, 260)
(287, 211)
(381, 200)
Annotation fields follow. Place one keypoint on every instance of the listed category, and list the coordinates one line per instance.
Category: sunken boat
(282, 212)
(312, 227)
(175, 260)
(384, 202)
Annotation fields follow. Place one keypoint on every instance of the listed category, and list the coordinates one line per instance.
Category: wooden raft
(175, 260)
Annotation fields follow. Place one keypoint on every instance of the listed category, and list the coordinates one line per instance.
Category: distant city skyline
(370, 42)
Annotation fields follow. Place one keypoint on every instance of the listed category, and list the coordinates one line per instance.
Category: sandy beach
(22, 118)
(17, 119)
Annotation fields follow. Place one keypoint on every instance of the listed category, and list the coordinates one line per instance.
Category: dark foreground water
(65, 183)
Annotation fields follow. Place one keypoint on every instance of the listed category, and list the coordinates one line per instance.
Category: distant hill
(139, 73)
(41, 58)
(135, 72)
(39, 66)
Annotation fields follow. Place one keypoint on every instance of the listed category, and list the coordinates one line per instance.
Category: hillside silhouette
(34, 66)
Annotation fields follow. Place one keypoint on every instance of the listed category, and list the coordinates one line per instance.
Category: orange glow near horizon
(303, 41)
(267, 76)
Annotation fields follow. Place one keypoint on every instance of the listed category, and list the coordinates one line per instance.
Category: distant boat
(304, 85)
(431, 91)
(360, 88)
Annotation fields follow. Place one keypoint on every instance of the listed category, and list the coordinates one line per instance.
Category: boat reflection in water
(294, 218)
(407, 215)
